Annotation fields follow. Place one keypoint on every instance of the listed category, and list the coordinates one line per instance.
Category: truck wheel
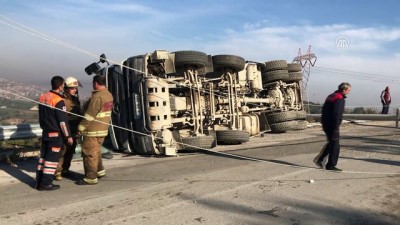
(281, 116)
(294, 77)
(233, 62)
(294, 67)
(274, 76)
(301, 125)
(144, 145)
(213, 75)
(232, 136)
(197, 143)
(276, 65)
(262, 67)
(283, 126)
(190, 58)
(301, 115)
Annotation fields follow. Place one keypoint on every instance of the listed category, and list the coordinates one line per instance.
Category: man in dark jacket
(54, 123)
(332, 114)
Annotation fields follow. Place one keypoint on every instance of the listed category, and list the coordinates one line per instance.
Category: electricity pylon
(307, 61)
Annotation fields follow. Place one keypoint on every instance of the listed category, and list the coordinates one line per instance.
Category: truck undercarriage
(166, 102)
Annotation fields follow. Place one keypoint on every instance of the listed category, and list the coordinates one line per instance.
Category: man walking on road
(386, 99)
(54, 123)
(94, 128)
(332, 114)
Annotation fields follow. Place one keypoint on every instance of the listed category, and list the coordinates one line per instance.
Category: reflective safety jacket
(52, 113)
(97, 114)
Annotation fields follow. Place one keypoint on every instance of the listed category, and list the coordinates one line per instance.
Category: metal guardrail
(375, 117)
(23, 131)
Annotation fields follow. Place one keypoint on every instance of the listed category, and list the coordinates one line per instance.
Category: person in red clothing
(332, 114)
(54, 123)
(386, 99)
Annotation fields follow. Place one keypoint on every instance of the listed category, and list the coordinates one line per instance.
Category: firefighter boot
(50, 187)
(57, 176)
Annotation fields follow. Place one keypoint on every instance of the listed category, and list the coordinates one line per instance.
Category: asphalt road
(280, 185)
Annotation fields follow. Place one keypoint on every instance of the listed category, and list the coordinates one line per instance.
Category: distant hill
(32, 90)
(14, 90)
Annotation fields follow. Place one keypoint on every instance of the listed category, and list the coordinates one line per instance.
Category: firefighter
(94, 128)
(54, 123)
(73, 105)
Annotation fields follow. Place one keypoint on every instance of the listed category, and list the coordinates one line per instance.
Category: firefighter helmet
(72, 82)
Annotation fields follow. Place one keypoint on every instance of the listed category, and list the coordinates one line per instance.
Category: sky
(353, 41)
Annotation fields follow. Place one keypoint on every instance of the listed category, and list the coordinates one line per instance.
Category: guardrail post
(397, 117)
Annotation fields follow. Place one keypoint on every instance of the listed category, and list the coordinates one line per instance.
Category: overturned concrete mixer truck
(166, 102)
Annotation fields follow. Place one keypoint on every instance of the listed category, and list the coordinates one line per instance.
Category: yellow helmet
(72, 82)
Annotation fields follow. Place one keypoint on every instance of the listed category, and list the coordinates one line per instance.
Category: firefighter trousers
(49, 156)
(92, 162)
(67, 152)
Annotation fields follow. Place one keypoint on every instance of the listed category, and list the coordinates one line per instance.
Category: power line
(356, 72)
(362, 75)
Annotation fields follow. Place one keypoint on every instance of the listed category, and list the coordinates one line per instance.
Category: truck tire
(190, 58)
(232, 136)
(262, 67)
(276, 65)
(144, 145)
(233, 62)
(278, 117)
(294, 67)
(197, 143)
(301, 125)
(301, 115)
(276, 75)
(213, 75)
(283, 126)
(294, 77)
